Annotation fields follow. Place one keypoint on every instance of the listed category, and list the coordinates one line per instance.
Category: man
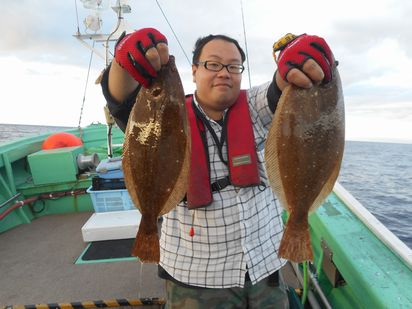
(219, 247)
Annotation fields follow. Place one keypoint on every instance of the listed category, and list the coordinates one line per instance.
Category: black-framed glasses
(217, 66)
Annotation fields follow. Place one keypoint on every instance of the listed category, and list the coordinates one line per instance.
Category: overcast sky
(44, 68)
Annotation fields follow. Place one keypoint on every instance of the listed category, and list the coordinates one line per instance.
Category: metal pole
(10, 199)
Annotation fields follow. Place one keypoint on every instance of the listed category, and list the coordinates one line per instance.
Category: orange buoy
(61, 140)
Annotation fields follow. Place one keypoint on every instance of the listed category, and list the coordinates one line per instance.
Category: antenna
(93, 24)
(121, 26)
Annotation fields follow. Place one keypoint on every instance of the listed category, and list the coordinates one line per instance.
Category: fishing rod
(246, 49)
(183, 50)
(174, 33)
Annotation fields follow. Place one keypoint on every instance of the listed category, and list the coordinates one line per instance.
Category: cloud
(371, 42)
(384, 19)
(43, 93)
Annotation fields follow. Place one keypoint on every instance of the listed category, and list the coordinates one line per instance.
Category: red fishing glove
(130, 53)
(296, 50)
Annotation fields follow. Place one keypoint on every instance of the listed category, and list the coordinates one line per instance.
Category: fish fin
(330, 182)
(295, 245)
(127, 165)
(146, 245)
(328, 187)
(272, 148)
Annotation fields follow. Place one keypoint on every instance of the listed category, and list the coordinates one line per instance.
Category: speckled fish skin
(156, 156)
(303, 155)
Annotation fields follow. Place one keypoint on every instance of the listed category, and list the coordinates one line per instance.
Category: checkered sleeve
(259, 106)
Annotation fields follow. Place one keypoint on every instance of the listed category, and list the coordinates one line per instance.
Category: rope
(85, 88)
(246, 49)
(305, 282)
(171, 28)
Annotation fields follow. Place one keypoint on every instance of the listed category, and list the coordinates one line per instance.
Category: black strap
(220, 184)
(219, 143)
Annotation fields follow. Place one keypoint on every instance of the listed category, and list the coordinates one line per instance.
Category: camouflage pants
(261, 295)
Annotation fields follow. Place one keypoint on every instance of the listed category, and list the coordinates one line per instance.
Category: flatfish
(303, 155)
(156, 156)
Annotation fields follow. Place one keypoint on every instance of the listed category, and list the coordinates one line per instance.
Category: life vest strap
(220, 184)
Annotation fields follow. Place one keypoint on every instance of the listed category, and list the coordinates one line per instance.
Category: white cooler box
(111, 225)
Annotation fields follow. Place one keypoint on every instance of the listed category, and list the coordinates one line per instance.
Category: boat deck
(38, 267)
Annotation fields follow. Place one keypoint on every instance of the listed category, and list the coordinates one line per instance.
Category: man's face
(216, 91)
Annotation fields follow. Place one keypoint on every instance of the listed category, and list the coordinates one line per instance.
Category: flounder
(156, 156)
(303, 155)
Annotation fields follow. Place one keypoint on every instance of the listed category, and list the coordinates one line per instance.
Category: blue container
(110, 200)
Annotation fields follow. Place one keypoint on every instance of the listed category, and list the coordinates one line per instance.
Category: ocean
(11, 132)
(379, 175)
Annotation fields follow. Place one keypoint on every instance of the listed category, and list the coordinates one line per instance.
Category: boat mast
(93, 22)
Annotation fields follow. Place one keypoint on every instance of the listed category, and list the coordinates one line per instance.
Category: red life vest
(242, 157)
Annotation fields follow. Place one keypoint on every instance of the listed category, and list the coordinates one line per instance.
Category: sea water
(11, 132)
(378, 175)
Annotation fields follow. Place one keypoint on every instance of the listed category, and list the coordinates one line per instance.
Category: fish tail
(146, 245)
(295, 245)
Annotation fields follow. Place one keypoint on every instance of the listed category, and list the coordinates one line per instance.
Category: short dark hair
(202, 41)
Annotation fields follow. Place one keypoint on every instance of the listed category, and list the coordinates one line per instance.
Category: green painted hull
(16, 177)
(373, 276)
(368, 272)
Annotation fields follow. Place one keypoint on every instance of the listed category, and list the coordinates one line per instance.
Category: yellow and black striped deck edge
(111, 303)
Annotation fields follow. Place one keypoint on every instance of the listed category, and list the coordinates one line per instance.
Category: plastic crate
(110, 200)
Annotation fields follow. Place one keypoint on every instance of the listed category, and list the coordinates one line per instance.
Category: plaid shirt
(239, 232)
